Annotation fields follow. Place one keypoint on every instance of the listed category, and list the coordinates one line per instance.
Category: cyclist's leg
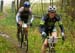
(18, 31)
(26, 31)
(26, 36)
(45, 44)
(54, 32)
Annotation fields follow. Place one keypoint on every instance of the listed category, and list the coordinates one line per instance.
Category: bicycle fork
(26, 39)
(52, 46)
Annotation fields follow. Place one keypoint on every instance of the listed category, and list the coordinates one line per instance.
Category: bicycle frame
(51, 42)
(24, 38)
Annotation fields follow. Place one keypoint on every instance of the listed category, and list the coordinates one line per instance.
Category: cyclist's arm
(18, 14)
(32, 18)
(31, 15)
(61, 25)
(18, 17)
(62, 28)
(42, 26)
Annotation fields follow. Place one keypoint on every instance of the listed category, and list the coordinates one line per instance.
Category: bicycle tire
(22, 38)
(26, 44)
(51, 47)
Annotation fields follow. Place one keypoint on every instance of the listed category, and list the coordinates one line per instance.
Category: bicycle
(24, 37)
(52, 43)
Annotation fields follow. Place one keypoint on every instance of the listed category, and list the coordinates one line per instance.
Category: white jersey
(19, 13)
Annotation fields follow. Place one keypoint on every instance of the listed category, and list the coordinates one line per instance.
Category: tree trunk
(1, 5)
(13, 6)
(17, 5)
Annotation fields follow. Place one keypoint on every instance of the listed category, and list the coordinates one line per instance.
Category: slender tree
(1, 6)
(17, 5)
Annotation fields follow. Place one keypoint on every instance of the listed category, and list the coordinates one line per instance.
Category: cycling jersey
(24, 15)
(48, 24)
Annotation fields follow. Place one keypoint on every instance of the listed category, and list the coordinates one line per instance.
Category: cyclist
(23, 17)
(47, 25)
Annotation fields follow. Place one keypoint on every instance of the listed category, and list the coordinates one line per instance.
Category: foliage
(8, 26)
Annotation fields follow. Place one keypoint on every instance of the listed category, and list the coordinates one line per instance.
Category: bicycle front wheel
(26, 42)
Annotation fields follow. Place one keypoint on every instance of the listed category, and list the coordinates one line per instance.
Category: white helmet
(52, 9)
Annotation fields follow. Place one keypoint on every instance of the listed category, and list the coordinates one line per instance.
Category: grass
(8, 26)
(6, 46)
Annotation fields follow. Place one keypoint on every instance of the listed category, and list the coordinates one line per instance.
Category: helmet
(27, 4)
(52, 9)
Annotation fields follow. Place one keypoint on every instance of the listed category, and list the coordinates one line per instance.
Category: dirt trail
(10, 39)
(14, 42)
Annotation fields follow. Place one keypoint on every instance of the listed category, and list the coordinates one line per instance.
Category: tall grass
(8, 25)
